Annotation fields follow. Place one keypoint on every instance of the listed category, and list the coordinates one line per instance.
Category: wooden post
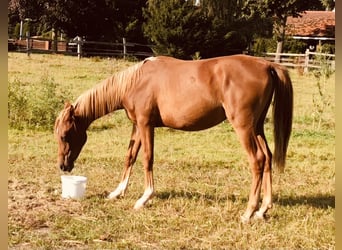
(277, 58)
(21, 30)
(306, 62)
(28, 45)
(124, 47)
(54, 40)
(79, 47)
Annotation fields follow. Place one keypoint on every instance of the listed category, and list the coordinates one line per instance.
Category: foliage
(279, 10)
(328, 4)
(94, 19)
(321, 99)
(178, 28)
(294, 46)
(263, 45)
(175, 27)
(196, 56)
(34, 107)
(327, 48)
(17, 104)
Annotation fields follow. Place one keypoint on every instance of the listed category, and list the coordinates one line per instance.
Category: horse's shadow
(321, 201)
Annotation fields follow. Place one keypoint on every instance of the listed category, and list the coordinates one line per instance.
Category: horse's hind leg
(267, 178)
(256, 157)
(131, 156)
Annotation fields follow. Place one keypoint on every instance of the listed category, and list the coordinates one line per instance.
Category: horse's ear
(67, 104)
(70, 109)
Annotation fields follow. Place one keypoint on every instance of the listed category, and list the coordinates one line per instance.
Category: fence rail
(306, 61)
(79, 47)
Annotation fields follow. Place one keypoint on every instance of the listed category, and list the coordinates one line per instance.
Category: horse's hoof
(138, 206)
(113, 195)
(244, 219)
(259, 215)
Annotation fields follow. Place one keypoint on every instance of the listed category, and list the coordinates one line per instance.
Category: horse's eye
(63, 138)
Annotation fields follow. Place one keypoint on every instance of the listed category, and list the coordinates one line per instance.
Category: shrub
(327, 48)
(34, 106)
(321, 99)
(17, 104)
(294, 46)
(263, 45)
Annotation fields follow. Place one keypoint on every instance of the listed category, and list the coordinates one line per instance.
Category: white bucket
(73, 186)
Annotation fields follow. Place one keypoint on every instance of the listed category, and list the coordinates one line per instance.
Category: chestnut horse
(191, 96)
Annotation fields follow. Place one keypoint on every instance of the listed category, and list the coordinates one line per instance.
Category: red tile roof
(312, 24)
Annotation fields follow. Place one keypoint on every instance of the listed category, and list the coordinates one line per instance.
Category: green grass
(202, 179)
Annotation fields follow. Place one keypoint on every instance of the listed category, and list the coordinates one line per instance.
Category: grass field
(202, 178)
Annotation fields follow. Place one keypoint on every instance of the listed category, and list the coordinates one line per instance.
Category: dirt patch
(32, 206)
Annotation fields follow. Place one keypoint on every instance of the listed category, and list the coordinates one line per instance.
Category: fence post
(79, 47)
(124, 47)
(28, 45)
(306, 62)
(21, 30)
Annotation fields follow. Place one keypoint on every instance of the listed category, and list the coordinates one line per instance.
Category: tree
(128, 19)
(21, 10)
(175, 27)
(279, 10)
(24, 8)
(213, 28)
(107, 20)
(328, 4)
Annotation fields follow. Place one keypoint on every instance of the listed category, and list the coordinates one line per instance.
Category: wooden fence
(306, 61)
(80, 47)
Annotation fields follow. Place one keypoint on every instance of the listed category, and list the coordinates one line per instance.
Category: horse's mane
(105, 97)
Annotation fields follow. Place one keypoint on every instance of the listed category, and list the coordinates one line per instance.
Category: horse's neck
(97, 102)
(106, 97)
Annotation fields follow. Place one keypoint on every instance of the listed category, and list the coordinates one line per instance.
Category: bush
(17, 104)
(327, 48)
(263, 45)
(34, 107)
(321, 100)
(294, 46)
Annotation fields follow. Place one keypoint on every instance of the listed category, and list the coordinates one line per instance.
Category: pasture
(202, 178)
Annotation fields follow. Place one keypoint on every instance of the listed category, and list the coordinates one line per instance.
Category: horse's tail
(282, 114)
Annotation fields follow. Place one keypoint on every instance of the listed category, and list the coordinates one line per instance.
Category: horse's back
(211, 76)
(232, 64)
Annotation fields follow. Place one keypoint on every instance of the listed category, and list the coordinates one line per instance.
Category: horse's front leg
(147, 138)
(131, 156)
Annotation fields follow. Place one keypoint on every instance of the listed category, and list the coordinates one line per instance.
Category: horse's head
(71, 136)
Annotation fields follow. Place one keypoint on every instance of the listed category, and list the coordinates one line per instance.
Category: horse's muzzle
(66, 163)
(66, 168)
